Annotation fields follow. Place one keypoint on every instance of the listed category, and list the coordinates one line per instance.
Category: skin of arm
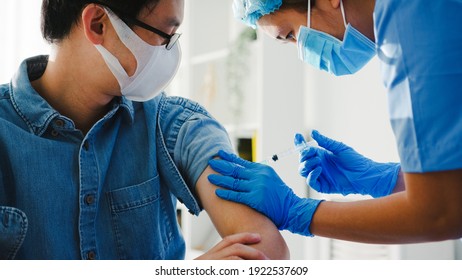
(400, 186)
(231, 218)
(430, 209)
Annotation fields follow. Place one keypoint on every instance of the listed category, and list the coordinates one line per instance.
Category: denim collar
(35, 110)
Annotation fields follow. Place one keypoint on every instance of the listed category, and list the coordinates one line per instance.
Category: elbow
(447, 228)
(435, 201)
(277, 249)
(444, 225)
(284, 252)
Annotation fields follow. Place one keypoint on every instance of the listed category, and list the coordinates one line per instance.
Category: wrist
(387, 182)
(300, 216)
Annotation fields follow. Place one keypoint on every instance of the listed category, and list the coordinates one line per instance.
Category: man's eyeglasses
(171, 38)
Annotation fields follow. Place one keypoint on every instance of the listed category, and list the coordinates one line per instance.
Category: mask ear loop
(309, 14)
(343, 13)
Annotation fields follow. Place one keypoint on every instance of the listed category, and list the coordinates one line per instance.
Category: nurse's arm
(400, 186)
(231, 218)
(430, 209)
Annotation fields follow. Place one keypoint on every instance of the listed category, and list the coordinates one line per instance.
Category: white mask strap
(343, 13)
(309, 14)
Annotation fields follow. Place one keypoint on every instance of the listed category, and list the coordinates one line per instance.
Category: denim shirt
(109, 194)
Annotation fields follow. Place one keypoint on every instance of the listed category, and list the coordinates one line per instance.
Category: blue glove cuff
(387, 182)
(300, 216)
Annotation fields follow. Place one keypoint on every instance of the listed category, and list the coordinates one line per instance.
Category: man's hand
(235, 247)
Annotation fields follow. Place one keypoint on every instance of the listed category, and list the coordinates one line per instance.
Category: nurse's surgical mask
(325, 52)
(155, 65)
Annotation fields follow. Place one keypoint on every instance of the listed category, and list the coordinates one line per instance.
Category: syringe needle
(290, 151)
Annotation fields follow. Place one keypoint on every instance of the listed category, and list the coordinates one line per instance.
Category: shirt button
(91, 255)
(89, 199)
(54, 133)
(59, 123)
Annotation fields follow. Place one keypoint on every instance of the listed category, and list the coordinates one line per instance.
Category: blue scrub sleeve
(420, 48)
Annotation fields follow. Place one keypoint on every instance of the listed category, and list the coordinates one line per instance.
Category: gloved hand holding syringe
(297, 149)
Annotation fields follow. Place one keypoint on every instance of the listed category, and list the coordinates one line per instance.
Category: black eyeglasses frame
(129, 20)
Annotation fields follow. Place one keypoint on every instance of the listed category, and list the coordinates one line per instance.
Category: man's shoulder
(4, 91)
(178, 104)
(9, 118)
(5, 101)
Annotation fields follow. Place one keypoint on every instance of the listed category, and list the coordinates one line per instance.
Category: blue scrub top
(419, 44)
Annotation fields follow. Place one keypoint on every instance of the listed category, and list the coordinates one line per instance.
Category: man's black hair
(59, 16)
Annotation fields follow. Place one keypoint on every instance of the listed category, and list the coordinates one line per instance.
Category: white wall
(20, 35)
(281, 89)
(352, 109)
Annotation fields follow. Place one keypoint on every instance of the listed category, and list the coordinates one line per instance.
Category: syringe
(290, 151)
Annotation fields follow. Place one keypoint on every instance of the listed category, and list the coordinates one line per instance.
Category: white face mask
(156, 66)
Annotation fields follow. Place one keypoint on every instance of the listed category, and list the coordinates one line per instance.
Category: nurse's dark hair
(299, 5)
(59, 16)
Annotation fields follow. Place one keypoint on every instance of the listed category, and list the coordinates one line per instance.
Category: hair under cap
(250, 11)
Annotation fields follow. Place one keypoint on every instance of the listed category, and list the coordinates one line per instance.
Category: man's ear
(94, 23)
(335, 3)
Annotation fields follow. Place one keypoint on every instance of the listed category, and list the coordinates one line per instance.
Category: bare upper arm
(230, 218)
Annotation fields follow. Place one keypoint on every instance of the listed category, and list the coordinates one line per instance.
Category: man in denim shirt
(88, 173)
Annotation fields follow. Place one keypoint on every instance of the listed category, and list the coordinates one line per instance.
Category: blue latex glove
(337, 168)
(259, 187)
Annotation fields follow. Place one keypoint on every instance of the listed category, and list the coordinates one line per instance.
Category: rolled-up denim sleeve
(199, 140)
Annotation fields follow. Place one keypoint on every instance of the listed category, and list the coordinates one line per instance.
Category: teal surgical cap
(250, 11)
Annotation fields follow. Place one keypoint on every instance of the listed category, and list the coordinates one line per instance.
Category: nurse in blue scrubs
(419, 45)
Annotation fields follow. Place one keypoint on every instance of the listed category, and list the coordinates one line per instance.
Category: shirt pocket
(139, 221)
(13, 228)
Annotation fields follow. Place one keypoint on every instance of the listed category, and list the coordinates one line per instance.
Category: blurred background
(263, 94)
